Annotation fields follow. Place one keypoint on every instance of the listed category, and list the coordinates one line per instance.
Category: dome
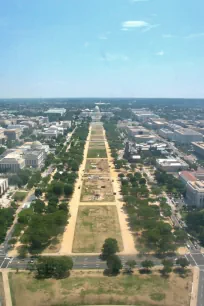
(36, 145)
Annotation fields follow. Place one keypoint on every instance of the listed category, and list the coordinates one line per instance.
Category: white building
(12, 162)
(145, 138)
(171, 164)
(34, 159)
(3, 185)
(167, 134)
(186, 136)
(144, 114)
(195, 193)
(56, 111)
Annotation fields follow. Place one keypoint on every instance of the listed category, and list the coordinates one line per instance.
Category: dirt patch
(94, 225)
(97, 188)
(95, 289)
(94, 166)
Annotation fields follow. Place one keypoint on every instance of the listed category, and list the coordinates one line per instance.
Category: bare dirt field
(94, 166)
(92, 288)
(94, 225)
(97, 188)
(96, 137)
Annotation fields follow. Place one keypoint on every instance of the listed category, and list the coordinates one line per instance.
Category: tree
(38, 192)
(68, 189)
(22, 251)
(38, 206)
(110, 247)
(58, 188)
(147, 265)
(131, 263)
(182, 262)
(167, 266)
(57, 267)
(142, 181)
(114, 264)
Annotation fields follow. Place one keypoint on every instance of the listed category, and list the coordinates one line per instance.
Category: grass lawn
(94, 225)
(97, 153)
(92, 288)
(20, 195)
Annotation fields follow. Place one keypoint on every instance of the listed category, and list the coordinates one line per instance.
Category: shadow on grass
(108, 272)
(145, 271)
(181, 272)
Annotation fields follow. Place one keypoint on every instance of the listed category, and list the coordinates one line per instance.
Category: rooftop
(188, 176)
(188, 132)
(199, 144)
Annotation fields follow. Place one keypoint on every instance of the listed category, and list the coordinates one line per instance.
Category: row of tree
(39, 225)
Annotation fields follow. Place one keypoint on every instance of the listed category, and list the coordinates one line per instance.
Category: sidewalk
(7, 291)
(195, 282)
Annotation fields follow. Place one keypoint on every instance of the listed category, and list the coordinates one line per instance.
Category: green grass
(20, 195)
(97, 153)
(157, 296)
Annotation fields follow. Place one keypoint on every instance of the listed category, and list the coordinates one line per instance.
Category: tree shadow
(110, 273)
(145, 271)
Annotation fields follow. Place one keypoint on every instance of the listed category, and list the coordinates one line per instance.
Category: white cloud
(131, 24)
(108, 57)
(195, 35)
(135, 24)
(160, 53)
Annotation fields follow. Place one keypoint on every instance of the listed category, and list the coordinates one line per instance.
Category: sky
(101, 48)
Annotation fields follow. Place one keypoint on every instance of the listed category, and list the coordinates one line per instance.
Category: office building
(186, 136)
(12, 162)
(171, 164)
(56, 111)
(34, 159)
(3, 185)
(195, 193)
(12, 134)
(199, 148)
(167, 134)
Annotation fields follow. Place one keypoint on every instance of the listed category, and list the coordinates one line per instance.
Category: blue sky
(101, 48)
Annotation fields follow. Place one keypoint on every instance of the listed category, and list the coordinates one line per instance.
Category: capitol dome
(36, 145)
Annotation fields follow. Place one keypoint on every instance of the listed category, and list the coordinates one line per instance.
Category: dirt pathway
(68, 237)
(7, 291)
(127, 237)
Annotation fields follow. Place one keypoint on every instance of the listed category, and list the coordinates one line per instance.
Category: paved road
(93, 262)
(201, 289)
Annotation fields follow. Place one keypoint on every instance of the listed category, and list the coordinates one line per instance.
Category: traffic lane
(199, 258)
(5, 263)
(191, 260)
(200, 299)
